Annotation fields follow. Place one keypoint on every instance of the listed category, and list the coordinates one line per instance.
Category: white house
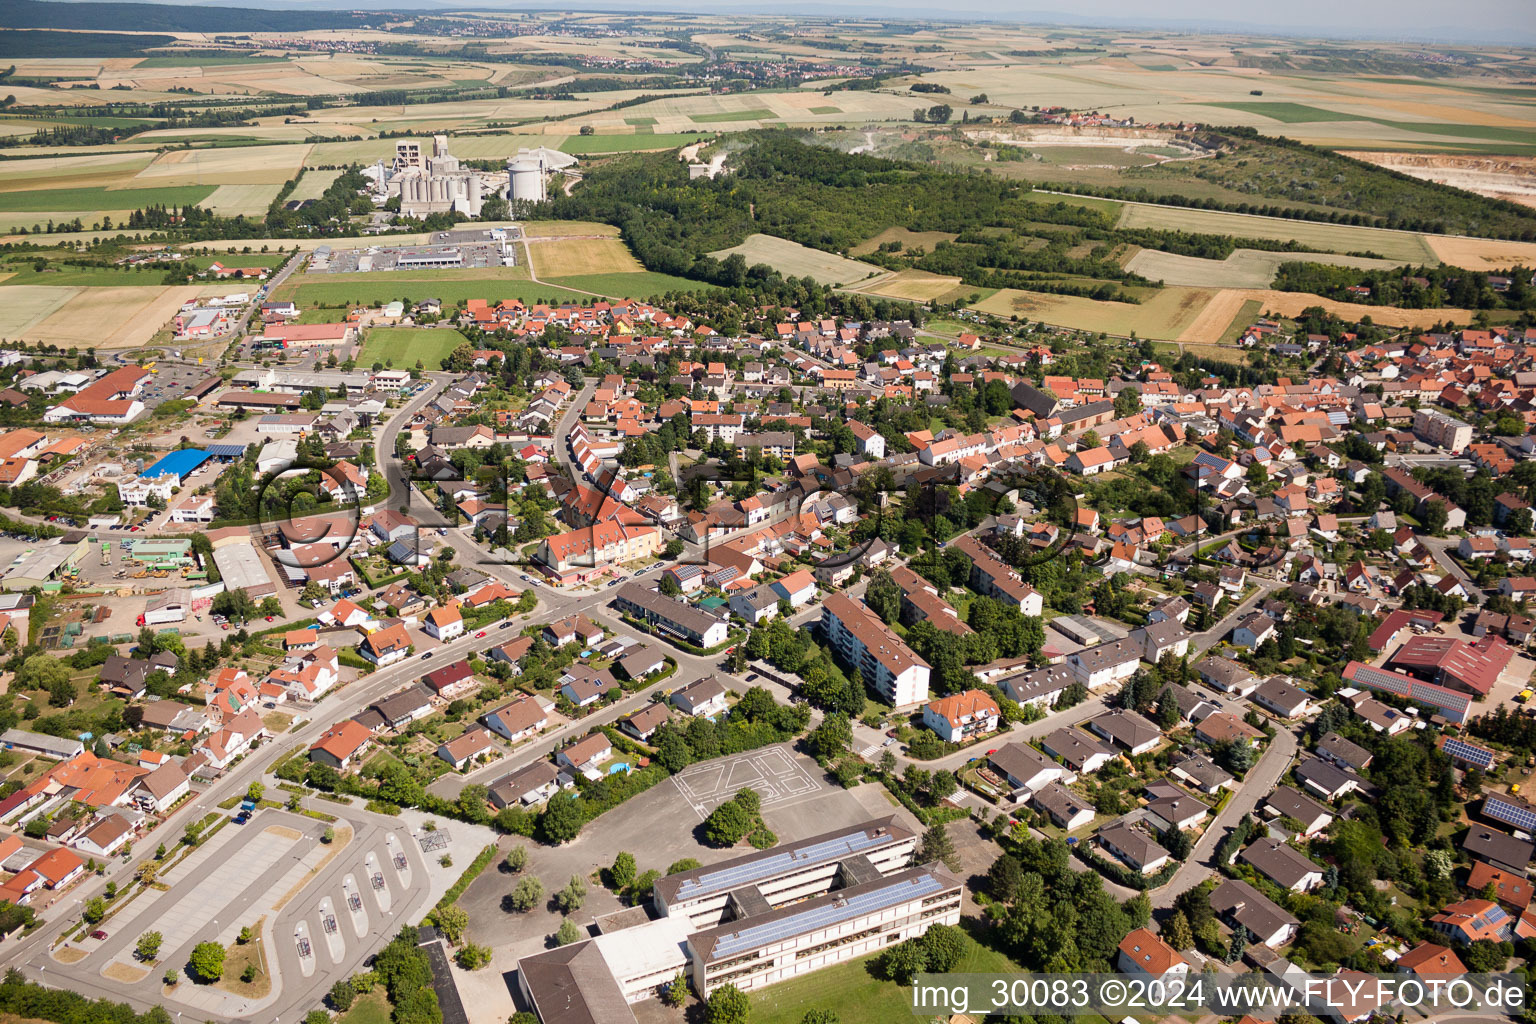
(444, 623)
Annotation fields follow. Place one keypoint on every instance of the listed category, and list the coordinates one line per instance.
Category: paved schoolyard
(778, 775)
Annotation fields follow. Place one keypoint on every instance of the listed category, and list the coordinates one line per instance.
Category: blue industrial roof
(178, 463)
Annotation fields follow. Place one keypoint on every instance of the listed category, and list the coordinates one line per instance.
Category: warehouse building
(241, 567)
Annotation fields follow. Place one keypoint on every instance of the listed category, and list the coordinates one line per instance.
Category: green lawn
(631, 286)
(584, 145)
(372, 1008)
(854, 993)
(55, 200)
(401, 347)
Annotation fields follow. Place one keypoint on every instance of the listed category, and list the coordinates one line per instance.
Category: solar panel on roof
(1467, 752)
(755, 936)
(742, 874)
(1518, 815)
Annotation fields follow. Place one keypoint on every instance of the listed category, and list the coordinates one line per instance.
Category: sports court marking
(776, 775)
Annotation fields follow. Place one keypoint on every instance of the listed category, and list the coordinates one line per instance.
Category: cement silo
(525, 174)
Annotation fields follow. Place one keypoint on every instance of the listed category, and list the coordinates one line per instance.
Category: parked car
(98, 934)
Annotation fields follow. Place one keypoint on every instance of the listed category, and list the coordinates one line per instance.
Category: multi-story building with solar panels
(734, 889)
(811, 934)
(1452, 706)
(752, 921)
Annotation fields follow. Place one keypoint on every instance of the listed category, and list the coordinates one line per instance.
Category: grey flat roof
(817, 913)
(755, 867)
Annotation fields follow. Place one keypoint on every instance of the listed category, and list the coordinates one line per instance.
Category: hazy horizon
(1510, 22)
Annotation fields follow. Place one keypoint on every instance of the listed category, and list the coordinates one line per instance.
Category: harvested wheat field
(27, 305)
(241, 165)
(1245, 268)
(1164, 316)
(537, 229)
(908, 239)
(568, 257)
(916, 285)
(1482, 253)
(1226, 304)
(242, 200)
(110, 317)
(795, 260)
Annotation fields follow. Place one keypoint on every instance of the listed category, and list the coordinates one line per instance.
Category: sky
(1433, 21)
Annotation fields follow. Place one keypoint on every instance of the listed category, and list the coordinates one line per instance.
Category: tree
(820, 1016)
(245, 936)
(562, 818)
(517, 858)
(171, 977)
(904, 961)
(936, 846)
(944, 946)
(677, 992)
(729, 823)
(622, 874)
(148, 947)
(567, 933)
(831, 738)
(342, 995)
(526, 894)
(570, 899)
(451, 920)
(471, 957)
(685, 864)
(727, 1005)
(1177, 932)
(207, 961)
(95, 910)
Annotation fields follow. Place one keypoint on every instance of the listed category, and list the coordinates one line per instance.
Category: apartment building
(1434, 427)
(693, 624)
(883, 658)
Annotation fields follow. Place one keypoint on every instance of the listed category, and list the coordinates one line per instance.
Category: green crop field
(758, 114)
(344, 293)
(595, 145)
(40, 200)
(1404, 246)
(640, 122)
(820, 110)
(1246, 315)
(403, 347)
(1289, 113)
(60, 276)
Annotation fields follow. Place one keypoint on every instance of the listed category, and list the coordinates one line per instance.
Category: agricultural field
(1164, 316)
(1402, 246)
(341, 291)
(795, 260)
(104, 317)
(1245, 268)
(538, 229)
(569, 257)
(915, 285)
(1481, 253)
(244, 165)
(403, 347)
(908, 240)
(642, 285)
(242, 200)
(313, 185)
